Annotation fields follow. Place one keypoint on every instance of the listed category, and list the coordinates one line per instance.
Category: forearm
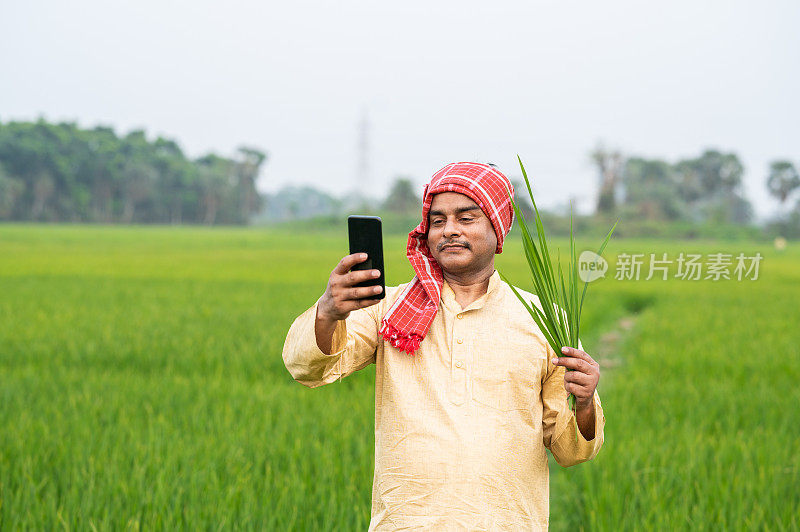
(317, 355)
(324, 329)
(570, 448)
(339, 334)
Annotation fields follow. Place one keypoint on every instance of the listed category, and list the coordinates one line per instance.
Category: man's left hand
(582, 381)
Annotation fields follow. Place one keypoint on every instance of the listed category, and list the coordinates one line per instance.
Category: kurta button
(460, 341)
(458, 363)
(459, 316)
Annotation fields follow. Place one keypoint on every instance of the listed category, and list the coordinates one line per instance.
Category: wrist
(323, 316)
(584, 404)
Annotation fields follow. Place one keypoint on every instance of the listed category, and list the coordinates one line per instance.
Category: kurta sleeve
(354, 346)
(559, 423)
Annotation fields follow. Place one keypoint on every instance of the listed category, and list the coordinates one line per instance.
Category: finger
(573, 363)
(348, 262)
(360, 303)
(369, 302)
(359, 276)
(576, 377)
(577, 353)
(360, 292)
(577, 390)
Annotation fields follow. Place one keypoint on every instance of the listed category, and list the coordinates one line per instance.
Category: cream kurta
(461, 427)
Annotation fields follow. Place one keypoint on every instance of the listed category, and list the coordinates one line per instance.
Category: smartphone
(366, 236)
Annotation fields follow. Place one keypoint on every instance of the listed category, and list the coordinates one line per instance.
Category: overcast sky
(438, 81)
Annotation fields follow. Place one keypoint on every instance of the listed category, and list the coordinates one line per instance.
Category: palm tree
(782, 180)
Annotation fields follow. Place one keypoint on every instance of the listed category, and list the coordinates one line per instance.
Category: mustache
(443, 244)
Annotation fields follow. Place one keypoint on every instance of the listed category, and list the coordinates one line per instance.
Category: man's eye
(436, 222)
(467, 219)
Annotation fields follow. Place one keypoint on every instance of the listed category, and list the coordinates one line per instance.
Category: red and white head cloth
(408, 320)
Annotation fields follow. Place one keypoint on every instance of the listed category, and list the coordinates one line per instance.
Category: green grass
(142, 386)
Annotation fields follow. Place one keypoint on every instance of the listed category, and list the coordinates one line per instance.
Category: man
(468, 394)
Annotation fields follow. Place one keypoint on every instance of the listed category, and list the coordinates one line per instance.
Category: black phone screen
(366, 236)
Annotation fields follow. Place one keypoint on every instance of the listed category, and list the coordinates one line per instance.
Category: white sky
(440, 82)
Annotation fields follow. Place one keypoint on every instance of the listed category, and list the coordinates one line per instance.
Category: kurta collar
(449, 297)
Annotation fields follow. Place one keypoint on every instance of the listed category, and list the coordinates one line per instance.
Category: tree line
(703, 189)
(707, 188)
(63, 173)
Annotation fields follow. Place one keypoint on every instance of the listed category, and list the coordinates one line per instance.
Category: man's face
(460, 236)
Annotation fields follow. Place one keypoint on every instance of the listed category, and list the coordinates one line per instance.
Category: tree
(105, 162)
(293, 203)
(711, 187)
(782, 180)
(609, 166)
(650, 189)
(214, 177)
(60, 172)
(10, 191)
(43, 188)
(247, 169)
(522, 199)
(402, 198)
(139, 177)
(712, 174)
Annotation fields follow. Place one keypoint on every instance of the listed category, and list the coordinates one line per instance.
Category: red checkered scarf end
(408, 320)
(408, 343)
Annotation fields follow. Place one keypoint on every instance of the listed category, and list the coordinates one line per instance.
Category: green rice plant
(559, 318)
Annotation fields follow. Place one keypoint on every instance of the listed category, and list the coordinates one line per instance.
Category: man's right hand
(342, 296)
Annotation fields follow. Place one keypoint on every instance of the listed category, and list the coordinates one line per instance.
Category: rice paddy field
(142, 387)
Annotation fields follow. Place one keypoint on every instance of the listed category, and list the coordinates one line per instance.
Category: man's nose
(451, 227)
